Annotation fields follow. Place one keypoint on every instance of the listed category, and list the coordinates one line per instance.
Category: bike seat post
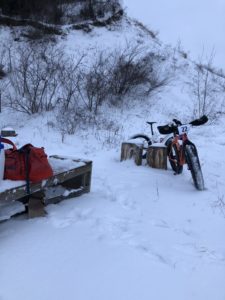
(151, 125)
(152, 132)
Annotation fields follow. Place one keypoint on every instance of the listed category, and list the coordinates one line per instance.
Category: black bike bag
(199, 121)
(166, 129)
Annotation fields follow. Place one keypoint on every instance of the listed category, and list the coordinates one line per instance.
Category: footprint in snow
(152, 253)
(74, 216)
(200, 252)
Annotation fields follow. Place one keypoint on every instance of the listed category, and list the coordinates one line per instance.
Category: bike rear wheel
(145, 140)
(194, 166)
(174, 158)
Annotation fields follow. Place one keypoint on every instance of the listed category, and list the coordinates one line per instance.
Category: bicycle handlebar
(172, 128)
(200, 121)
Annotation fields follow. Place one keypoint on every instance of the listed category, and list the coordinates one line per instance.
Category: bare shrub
(137, 72)
(34, 79)
(5, 58)
(93, 9)
(2, 72)
(220, 204)
(70, 80)
(93, 83)
(206, 89)
(68, 121)
(109, 132)
(114, 76)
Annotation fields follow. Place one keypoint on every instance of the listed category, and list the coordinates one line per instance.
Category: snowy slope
(141, 233)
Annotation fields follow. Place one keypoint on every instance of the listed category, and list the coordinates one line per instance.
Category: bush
(2, 72)
(93, 83)
(206, 90)
(34, 78)
(136, 69)
(115, 76)
(54, 11)
(94, 9)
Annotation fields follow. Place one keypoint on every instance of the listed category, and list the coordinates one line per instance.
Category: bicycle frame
(180, 146)
(180, 141)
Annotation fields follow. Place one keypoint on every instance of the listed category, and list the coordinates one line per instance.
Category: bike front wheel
(194, 166)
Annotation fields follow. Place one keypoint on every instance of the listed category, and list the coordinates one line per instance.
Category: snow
(140, 233)
(62, 165)
(9, 209)
(9, 184)
(155, 238)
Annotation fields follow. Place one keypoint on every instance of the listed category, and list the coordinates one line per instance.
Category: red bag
(26, 163)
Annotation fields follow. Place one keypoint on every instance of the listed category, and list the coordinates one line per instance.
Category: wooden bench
(64, 184)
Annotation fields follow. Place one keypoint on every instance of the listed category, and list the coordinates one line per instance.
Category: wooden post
(157, 156)
(132, 151)
(36, 205)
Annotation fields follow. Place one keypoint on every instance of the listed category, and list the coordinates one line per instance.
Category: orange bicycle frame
(179, 147)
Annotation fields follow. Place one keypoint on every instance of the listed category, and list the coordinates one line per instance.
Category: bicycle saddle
(150, 123)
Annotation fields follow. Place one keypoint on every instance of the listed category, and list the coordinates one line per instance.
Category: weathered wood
(62, 185)
(36, 205)
(132, 151)
(19, 192)
(8, 133)
(157, 157)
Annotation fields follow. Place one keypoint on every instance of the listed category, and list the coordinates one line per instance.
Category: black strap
(26, 151)
(27, 154)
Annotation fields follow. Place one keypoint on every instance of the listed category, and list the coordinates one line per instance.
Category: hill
(141, 233)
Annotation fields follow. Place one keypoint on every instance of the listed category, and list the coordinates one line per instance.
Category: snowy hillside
(140, 233)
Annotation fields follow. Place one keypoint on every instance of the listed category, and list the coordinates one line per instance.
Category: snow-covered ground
(140, 233)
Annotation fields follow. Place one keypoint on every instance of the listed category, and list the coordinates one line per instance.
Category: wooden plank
(157, 157)
(132, 151)
(66, 195)
(8, 133)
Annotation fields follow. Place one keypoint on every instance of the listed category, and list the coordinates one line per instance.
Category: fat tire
(174, 158)
(194, 166)
(145, 138)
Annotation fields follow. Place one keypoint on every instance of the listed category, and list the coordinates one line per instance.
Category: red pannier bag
(27, 163)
